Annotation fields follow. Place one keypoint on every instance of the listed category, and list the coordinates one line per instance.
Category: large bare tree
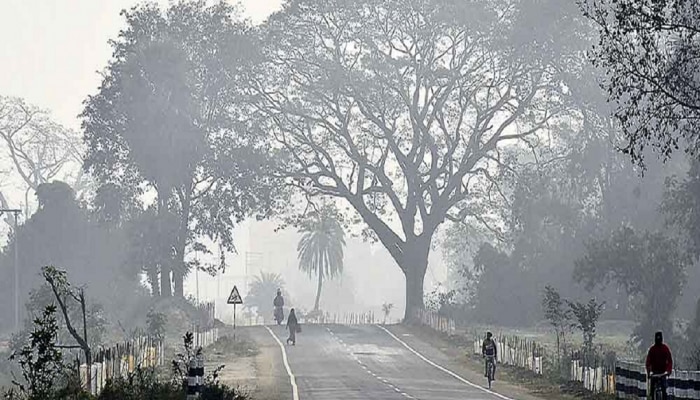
(38, 149)
(407, 110)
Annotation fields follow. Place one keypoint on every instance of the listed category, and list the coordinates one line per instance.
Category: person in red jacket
(659, 361)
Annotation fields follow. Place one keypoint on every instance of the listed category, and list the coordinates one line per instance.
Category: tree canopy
(649, 266)
(37, 150)
(63, 233)
(404, 109)
(164, 122)
(649, 51)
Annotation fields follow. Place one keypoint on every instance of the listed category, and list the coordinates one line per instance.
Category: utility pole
(16, 237)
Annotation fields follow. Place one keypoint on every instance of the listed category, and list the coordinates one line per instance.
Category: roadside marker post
(195, 376)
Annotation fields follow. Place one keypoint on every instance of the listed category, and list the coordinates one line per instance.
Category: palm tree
(320, 249)
(262, 291)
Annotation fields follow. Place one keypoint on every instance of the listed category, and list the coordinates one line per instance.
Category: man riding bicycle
(489, 351)
(659, 362)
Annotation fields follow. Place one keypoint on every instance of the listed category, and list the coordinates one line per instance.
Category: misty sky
(52, 49)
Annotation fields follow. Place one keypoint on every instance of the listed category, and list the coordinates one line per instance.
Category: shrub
(47, 377)
(39, 359)
(142, 384)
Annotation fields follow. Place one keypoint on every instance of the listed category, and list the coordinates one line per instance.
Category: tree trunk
(166, 288)
(164, 257)
(152, 273)
(559, 353)
(88, 369)
(318, 291)
(180, 269)
(412, 257)
(415, 276)
(178, 280)
(86, 344)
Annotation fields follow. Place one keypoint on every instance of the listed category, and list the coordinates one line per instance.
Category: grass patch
(241, 346)
(546, 386)
(612, 335)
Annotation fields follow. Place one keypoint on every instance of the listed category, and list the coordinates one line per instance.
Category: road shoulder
(260, 373)
(457, 358)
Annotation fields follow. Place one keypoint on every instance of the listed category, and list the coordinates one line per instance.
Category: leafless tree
(64, 293)
(407, 110)
(38, 149)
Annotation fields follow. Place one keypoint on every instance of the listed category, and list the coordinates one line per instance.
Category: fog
(501, 165)
(370, 278)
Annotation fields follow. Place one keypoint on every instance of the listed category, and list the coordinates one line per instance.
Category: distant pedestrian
(279, 304)
(293, 326)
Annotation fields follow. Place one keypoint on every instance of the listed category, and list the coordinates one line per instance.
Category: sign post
(235, 299)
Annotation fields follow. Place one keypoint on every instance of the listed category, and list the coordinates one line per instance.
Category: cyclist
(489, 351)
(659, 361)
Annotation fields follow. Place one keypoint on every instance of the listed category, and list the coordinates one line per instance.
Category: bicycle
(658, 387)
(490, 369)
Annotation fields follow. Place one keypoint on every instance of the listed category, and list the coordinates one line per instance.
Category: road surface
(367, 362)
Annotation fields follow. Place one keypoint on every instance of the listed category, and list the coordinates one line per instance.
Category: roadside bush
(45, 376)
(142, 384)
(217, 391)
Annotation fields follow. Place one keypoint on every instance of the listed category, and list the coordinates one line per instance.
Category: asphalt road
(367, 362)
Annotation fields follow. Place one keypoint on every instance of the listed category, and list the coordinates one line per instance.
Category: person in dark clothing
(659, 361)
(279, 307)
(489, 351)
(293, 326)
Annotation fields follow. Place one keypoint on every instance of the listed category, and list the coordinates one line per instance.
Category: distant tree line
(593, 221)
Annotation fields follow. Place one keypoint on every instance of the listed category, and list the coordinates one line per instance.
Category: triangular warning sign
(235, 297)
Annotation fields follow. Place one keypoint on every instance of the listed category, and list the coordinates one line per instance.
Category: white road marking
(292, 379)
(443, 369)
(357, 358)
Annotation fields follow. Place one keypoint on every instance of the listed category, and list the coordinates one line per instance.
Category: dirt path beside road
(252, 363)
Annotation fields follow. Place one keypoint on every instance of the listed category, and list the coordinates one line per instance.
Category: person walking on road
(293, 326)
